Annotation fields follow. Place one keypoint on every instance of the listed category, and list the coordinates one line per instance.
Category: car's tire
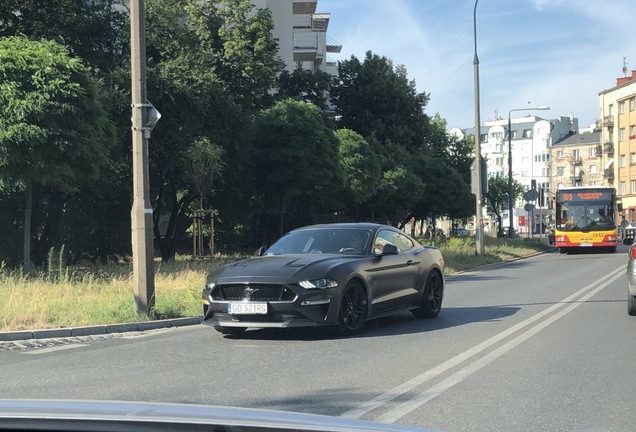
(353, 309)
(432, 296)
(230, 330)
(631, 304)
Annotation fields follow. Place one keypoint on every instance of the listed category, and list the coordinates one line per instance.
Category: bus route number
(567, 197)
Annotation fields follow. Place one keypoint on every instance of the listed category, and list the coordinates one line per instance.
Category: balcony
(577, 161)
(609, 174)
(608, 147)
(608, 121)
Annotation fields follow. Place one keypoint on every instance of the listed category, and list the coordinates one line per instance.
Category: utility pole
(479, 222)
(141, 214)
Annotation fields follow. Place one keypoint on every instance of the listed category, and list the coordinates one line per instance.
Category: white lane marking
(409, 406)
(55, 348)
(403, 388)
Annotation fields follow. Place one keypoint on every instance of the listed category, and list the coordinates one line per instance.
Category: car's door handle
(411, 262)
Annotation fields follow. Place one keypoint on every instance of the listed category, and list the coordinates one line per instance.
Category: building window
(592, 183)
(527, 133)
(559, 154)
(483, 137)
(621, 107)
(560, 171)
(632, 187)
(592, 152)
(611, 109)
(576, 154)
(632, 158)
(632, 103)
(621, 161)
(592, 169)
(632, 132)
(623, 190)
(621, 134)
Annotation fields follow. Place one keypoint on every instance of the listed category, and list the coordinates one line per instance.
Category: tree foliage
(54, 132)
(295, 153)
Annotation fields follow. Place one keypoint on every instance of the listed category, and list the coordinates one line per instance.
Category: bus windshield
(585, 215)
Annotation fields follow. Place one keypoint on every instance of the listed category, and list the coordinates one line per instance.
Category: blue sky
(559, 53)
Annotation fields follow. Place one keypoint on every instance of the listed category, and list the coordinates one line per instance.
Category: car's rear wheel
(230, 330)
(353, 309)
(631, 304)
(432, 296)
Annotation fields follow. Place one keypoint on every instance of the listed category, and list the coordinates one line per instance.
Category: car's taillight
(632, 251)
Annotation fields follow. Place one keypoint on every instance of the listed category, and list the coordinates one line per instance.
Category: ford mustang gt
(338, 275)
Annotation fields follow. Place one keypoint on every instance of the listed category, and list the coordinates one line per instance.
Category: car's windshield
(319, 241)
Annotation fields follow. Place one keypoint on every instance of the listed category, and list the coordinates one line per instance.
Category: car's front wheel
(432, 297)
(353, 309)
(230, 330)
(631, 304)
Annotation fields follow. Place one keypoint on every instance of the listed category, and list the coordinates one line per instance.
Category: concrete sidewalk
(98, 329)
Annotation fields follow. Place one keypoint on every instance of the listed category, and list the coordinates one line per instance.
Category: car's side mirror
(628, 240)
(260, 251)
(389, 249)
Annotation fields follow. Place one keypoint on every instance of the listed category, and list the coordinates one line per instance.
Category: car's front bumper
(308, 309)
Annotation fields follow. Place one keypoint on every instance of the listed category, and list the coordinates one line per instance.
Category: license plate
(247, 308)
(586, 244)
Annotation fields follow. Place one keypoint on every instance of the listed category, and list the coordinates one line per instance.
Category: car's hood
(278, 267)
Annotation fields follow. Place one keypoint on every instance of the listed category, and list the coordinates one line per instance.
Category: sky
(556, 53)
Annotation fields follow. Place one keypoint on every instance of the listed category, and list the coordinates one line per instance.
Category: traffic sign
(528, 207)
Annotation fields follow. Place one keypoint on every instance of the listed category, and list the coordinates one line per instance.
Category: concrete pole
(141, 214)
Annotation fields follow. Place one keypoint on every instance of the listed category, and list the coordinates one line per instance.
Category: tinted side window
(401, 241)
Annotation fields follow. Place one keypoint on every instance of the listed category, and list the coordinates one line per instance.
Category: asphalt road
(543, 343)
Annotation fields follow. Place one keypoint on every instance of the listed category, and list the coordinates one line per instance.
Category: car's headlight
(318, 284)
(210, 285)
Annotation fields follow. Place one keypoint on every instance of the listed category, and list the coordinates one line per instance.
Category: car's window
(401, 241)
(342, 240)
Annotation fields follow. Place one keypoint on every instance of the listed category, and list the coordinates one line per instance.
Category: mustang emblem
(248, 291)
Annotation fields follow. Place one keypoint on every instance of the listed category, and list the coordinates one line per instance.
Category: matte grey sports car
(334, 274)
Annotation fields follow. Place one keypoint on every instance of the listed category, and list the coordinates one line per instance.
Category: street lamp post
(510, 197)
(479, 232)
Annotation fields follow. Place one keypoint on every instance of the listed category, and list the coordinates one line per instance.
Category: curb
(96, 330)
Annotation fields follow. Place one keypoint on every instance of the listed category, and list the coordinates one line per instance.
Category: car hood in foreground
(279, 266)
(57, 415)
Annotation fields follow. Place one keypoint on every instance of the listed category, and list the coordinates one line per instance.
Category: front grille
(253, 292)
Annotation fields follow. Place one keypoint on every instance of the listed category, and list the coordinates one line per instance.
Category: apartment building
(618, 137)
(578, 161)
(302, 34)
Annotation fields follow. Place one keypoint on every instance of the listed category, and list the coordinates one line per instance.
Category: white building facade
(302, 34)
(531, 138)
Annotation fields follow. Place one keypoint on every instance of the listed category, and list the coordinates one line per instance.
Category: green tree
(54, 131)
(497, 197)
(295, 153)
(375, 98)
(94, 31)
(237, 39)
(305, 85)
(361, 168)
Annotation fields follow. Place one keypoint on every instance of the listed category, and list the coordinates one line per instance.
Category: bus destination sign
(565, 196)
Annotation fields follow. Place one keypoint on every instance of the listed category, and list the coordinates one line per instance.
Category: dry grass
(61, 296)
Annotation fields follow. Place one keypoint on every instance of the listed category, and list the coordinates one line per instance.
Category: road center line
(443, 367)
(409, 406)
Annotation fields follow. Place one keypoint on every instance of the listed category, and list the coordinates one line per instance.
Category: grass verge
(61, 296)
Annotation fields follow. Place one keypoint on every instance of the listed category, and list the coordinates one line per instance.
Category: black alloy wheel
(353, 309)
(230, 330)
(431, 297)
